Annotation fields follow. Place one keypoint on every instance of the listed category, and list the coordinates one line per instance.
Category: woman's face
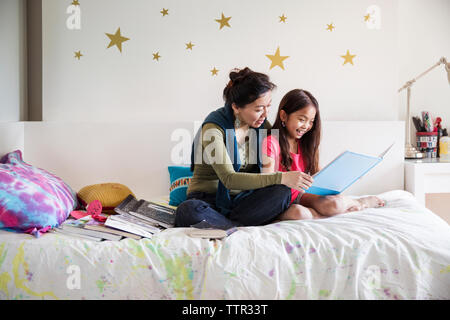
(254, 114)
(299, 122)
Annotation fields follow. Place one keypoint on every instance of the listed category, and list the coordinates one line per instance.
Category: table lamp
(410, 151)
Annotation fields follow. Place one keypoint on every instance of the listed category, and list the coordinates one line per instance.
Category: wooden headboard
(137, 154)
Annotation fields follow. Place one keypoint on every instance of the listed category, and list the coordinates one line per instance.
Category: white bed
(401, 251)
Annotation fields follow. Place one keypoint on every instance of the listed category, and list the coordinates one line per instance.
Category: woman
(227, 188)
(295, 147)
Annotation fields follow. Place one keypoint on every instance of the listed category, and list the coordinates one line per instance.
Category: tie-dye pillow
(32, 200)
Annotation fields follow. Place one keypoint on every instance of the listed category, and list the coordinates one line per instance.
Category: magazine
(77, 227)
(210, 233)
(59, 230)
(154, 213)
(131, 224)
(100, 226)
(207, 231)
(126, 205)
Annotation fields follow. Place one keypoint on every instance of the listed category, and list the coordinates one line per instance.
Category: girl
(297, 149)
(227, 188)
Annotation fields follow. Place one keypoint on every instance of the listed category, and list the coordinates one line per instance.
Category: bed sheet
(400, 251)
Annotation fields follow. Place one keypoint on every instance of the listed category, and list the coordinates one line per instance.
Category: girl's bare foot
(371, 202)
(351, 205)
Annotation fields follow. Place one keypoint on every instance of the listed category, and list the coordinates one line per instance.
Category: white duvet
(400, 251)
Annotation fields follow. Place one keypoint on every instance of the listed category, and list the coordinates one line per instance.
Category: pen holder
(427, 142)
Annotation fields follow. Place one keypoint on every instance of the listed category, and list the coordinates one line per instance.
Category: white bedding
(400, 251)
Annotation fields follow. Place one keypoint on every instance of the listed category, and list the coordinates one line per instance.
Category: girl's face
(254, 114)
(299, 122)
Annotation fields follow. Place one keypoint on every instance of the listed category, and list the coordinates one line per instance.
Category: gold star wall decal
(189, 45)
(214, 72)
(223, 21)
(330, 27)
(276, 59)
(283, 18)
(75, 3)
(78, 55)
(348, 57)
(164, 12)
(156, 56)
(367, 17)
(116, 40)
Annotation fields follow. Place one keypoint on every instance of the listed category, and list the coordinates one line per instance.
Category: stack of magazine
(90, 229)
(141, 217)
(134, 219)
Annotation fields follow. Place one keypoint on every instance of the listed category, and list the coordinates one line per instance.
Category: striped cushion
(110, 195)
(180, 178)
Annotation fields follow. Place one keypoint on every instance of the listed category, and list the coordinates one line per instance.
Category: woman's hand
(297, 180)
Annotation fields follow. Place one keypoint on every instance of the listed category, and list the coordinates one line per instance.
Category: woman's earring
(283, 123)
(237, 123)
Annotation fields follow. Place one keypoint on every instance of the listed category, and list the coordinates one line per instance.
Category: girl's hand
(297, 180)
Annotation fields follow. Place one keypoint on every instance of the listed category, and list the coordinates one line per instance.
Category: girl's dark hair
(309, 143)
(245, 86)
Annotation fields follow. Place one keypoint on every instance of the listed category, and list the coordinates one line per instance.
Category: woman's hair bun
(237, 74)
(245, 86)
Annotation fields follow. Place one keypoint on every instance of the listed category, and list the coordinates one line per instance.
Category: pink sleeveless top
(271, 148)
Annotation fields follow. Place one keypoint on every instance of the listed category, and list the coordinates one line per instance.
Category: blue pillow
(180, 177)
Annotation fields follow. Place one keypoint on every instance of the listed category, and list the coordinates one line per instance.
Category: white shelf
(429, 175)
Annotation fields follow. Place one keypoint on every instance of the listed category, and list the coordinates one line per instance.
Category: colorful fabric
(271, 148)
(180, 178)
(400, 251)
(32, 200)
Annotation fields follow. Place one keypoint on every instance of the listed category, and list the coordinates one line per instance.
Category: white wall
(12, 60)
(106, 85)
(12, 137)
(109, 86)
(423, 39)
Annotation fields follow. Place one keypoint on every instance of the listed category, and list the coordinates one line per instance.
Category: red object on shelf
(426, 133)
(437, 124)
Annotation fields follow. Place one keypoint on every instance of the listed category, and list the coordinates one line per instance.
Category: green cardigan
(206, 176)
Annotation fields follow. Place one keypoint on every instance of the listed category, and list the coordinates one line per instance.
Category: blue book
(342, 172)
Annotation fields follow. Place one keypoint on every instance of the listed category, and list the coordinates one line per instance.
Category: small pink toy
(95, 210)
